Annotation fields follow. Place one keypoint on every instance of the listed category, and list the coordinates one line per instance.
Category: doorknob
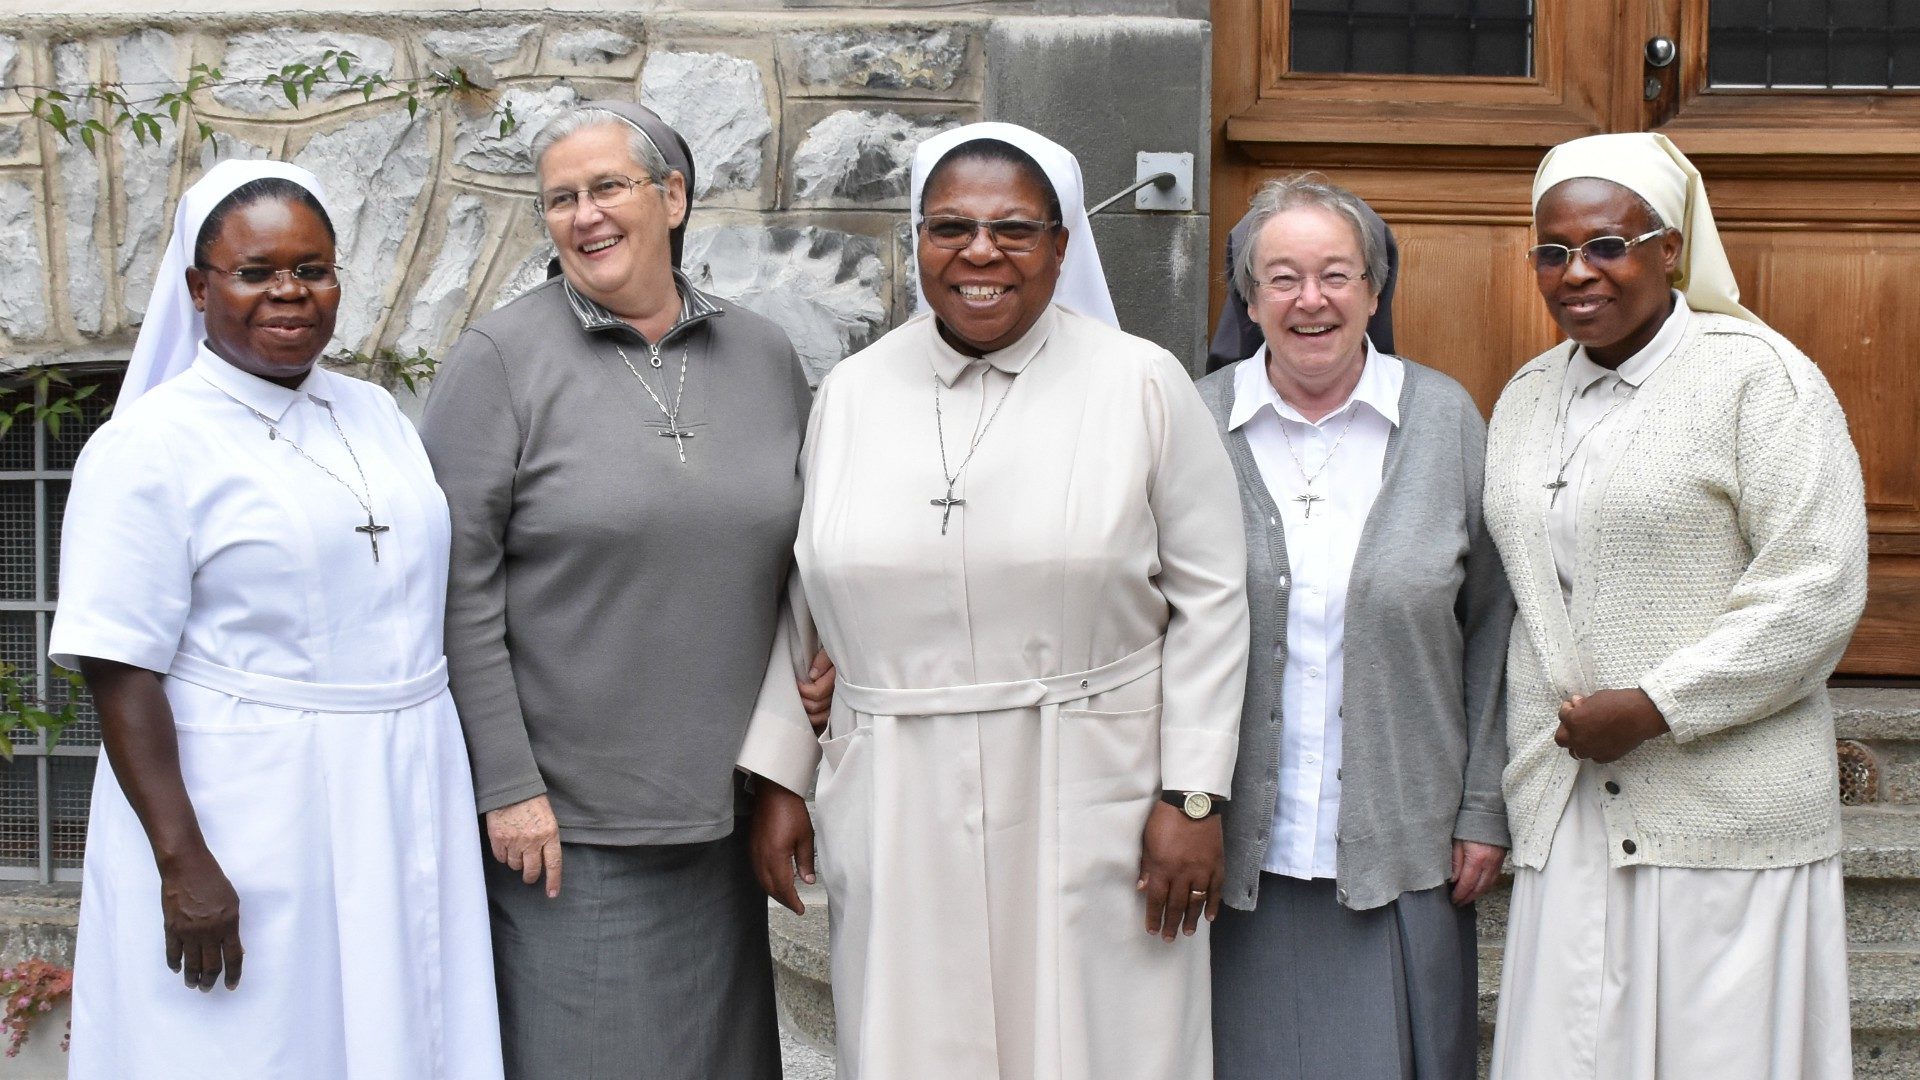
(1661, 51)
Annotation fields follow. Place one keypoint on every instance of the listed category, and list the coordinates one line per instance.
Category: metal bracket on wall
(1161, 182)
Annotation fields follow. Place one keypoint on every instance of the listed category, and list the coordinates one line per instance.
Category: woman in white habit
(252, 579)
(1679, 508)
(1021, 543)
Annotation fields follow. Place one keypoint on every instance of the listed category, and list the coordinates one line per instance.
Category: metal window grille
(1412, 37)
(43, 794)
(1813, 44)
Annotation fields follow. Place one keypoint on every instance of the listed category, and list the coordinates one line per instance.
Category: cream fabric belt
(995, 697)
(315, 697)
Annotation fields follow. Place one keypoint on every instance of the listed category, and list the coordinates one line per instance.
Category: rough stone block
(79, 189)
(594, 46)
(23, 273)
(906, 273)
(859, 157)
(530, 271)
(825, 288)
(1079, 81)
(719, 102)
(9, 59)
(251, 56)
(13, 139)
(479, 146)
(226, 146)
(440, 301)
(374, 170)
(494, 44)
(149, 58)
(894, 61)
(1157, 271)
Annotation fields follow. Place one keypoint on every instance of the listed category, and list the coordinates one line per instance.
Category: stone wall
(802, 121)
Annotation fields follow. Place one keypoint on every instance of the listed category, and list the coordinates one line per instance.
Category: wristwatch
(1197, 805)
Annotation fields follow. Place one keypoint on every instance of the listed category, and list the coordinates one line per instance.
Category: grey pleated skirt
(1304, 989)
(651, 965)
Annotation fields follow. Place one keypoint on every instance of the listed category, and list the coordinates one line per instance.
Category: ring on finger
(1196, 892)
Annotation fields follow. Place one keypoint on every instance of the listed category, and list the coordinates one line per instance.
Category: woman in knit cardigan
(1680, 512)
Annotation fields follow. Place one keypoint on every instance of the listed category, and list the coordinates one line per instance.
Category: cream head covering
(1083, 285)
(1650, 166)
(171, 332)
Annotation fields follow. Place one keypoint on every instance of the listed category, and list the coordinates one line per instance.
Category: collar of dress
(270, 400)
(1584, 372)
(1381, 377)
(695, 308)
(949, 362)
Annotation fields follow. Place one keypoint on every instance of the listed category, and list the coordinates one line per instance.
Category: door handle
(1661, 52)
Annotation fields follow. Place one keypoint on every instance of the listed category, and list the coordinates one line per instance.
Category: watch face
(1198, 805)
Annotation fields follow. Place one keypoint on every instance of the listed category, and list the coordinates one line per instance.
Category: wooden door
(1817, 190)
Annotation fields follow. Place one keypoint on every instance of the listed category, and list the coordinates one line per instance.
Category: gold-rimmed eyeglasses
(1008, 234)
(315, 277)
(1288, 286)
(605, 193)
(1599, 251)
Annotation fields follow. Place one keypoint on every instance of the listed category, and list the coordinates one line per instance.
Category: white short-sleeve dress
(318, 742)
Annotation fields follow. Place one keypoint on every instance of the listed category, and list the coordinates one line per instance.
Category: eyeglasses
(606, 193)
(314, 277)
(1013, 235)
(1288, 286)
(1599, 251)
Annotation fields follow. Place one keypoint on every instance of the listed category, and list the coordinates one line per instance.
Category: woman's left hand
(816, 692)
(1183, 867)
(1476, 867)
(1606, 725)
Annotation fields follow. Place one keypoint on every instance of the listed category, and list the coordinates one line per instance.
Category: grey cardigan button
(1628, 847)
(1286, 581)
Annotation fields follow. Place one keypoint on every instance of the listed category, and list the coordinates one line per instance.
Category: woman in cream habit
(1679, 508)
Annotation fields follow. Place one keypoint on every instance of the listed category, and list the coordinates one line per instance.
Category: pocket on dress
(1109, 757)
(842, 798)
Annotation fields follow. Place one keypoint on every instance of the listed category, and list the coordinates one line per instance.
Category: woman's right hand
(201, 913)
(526, 836)
(780, 841)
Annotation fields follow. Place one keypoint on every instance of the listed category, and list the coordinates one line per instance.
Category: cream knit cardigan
(1722, 571)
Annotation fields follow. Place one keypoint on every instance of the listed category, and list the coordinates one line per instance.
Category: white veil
(1083, 285)
(171, 332)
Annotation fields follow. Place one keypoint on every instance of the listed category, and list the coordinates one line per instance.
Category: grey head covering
(672, 146)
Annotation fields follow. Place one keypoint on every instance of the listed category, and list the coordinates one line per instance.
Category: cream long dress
(1013, 696)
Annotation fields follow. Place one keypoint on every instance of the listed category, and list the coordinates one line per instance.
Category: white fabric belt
(315, 697)
(995, 697)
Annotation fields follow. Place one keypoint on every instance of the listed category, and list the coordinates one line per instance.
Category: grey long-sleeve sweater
(610, 610)
(1428, 611)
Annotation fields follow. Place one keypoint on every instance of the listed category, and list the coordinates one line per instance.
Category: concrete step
(1886, 723)
(1882, 865)
(1883, 982)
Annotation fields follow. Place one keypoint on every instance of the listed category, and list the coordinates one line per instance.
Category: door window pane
(1412, 37)
(1813, 44)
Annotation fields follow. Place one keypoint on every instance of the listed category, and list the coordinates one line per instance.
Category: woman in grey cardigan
(620, 455)
(1370, 747)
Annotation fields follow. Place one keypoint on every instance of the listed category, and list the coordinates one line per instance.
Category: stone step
(1887, 724)
(1881, 860)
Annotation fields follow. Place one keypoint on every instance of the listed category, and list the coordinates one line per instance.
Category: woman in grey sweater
(619, 452)
(1370, 747)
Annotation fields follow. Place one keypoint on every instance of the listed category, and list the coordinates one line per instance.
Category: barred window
(44, 793)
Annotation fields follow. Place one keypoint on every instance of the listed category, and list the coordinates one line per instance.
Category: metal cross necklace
(372, 528)
(674, 431)
(947, 504)
(1560, 477)
(1307, 498)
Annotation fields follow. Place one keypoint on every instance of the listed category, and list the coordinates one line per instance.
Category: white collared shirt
(1322, 537)
(1593, 400)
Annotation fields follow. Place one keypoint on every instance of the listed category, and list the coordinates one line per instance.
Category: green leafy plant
(414, 369)
(22, 707)
(43, 393)
(297, 81)
(32, 988)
